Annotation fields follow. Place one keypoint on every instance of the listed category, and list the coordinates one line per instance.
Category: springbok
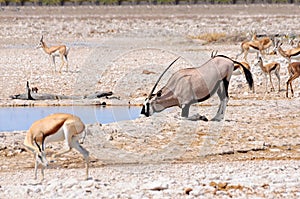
(192, 85)
(56, 51)
(268, 69)
(292, 39)
(294, 71)
(266, 41)
(255, 46)
(238, 70)
(53, 128)
(290, 54)
(294, 42)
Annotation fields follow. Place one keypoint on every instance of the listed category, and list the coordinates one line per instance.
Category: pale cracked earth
(253, 153)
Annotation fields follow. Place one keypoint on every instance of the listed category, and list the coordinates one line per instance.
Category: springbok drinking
(53, 128)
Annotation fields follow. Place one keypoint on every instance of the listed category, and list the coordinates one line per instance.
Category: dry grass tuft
(209, 37)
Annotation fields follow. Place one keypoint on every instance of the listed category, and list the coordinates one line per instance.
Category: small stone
(156, 186)
(187, 190)
(70, 183)
(87, 183)
(222, 185)
(37, 190)
(275, 150)
(251, 138)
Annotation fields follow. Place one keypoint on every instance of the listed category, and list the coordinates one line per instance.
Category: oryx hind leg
(185, 110)
(223, 95)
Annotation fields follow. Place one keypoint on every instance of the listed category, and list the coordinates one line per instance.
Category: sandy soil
(254, 152)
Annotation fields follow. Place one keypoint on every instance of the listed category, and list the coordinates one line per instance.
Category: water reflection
(21, 118)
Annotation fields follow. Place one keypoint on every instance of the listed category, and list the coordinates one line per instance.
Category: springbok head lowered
(41, 43)
(277, 45)
(40, 155)
(147, 109)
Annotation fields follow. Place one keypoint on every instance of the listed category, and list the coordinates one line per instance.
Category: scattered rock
(147, 72)
(156, 186)
(187, 190)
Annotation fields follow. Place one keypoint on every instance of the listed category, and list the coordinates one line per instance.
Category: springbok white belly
(296, 57)
(237, 72)
(55, 53)
(58, 136)
(253, 50)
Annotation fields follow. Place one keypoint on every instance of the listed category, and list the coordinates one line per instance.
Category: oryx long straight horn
(149, 96)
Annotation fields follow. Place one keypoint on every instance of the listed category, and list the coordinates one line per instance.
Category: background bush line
(133, 2)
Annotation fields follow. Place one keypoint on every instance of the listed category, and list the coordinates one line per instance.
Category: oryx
(192, 85)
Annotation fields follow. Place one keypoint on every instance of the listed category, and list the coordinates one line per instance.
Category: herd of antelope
(260, 46)
(184, 88)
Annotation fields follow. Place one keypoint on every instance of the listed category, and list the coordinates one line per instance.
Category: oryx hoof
(203, 118)
(89, 178)
(198, 117)
(216, 119)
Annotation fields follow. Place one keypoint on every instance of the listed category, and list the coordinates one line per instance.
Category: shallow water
(21, 118)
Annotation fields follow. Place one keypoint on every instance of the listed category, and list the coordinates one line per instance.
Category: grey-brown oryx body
(192, 85)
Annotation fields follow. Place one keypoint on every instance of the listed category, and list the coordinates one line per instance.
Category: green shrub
(3, 2)
(110, 2)
(52, 2)
(165, 1)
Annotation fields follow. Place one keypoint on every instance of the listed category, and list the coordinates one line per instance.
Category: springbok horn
(42, 38)
(149, 97)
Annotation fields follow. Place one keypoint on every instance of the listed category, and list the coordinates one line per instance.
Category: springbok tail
(67, 51)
